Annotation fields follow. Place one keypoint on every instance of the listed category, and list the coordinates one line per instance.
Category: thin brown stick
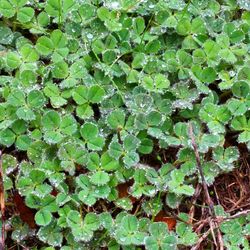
(212, 227)
(204, 184)
(217, 222)
(216, 195)
(213, 223)
(219, 237)
(237, 215)
(239, 207)
(201, 239)
(2, 204)
(194, 199)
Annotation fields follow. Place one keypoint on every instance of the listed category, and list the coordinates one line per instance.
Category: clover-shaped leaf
(99, 178)
(43, 217)
(51, 234)
(128, 232)
(82, 229)
(90, 134)
(160, 238)
(241, 123)
(215, 116)
(225, 158)
(186, 236)
(116, 119)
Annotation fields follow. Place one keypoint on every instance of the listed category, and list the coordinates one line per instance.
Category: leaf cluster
(90, 90)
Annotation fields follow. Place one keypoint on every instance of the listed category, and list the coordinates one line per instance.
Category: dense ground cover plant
(97, 98)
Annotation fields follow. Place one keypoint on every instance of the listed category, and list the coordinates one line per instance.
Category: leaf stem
(60, 14)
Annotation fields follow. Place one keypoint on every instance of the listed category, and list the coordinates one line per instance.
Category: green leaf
(13, 60)
(98, 46)
(129, 223)
(43, 217)
(96, 144)
(146, 146)
(228, 56)
(109, 56)
(100, 178)
(151, 243)
(108, 163)
(237, 107)
(158, 229)
(106, 220)
(161, 81)
(44, 46)
(51, 120)
(53, 137)
(131, 143)
(152, 207)
(68, 125)
(89, 131)
(183, 27)
(7, 137)
(51, 234)
(96, 94)
(241, 89)
(153, 46)
(138, 61)
(240, 123)
(80, 95)
(25, 14)
(211, 49)
(59, 39)
(237, 36)
(77, 70)
(72, 152)
(130, 159)
(173, 200)
(139, 25)
(208, 75)
(6, 9)
(6, 36)
(23, 142)
(91, 221)
(60, 70)
(57, 8)
(115, 149)
(57, 101)
(84, 111)
(185, 233)
(16, 98)
(116, 119)
(35, 99)
(28, 53)
(18, 3)
(209, 140)
(184, 58)
(43, 19)
(225, 158)
(244, 137)
(124, 203)
(25, 114)
(73, 218)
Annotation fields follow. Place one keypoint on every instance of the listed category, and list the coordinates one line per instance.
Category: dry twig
(213, 223)
(201, 239)
(194, 199)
